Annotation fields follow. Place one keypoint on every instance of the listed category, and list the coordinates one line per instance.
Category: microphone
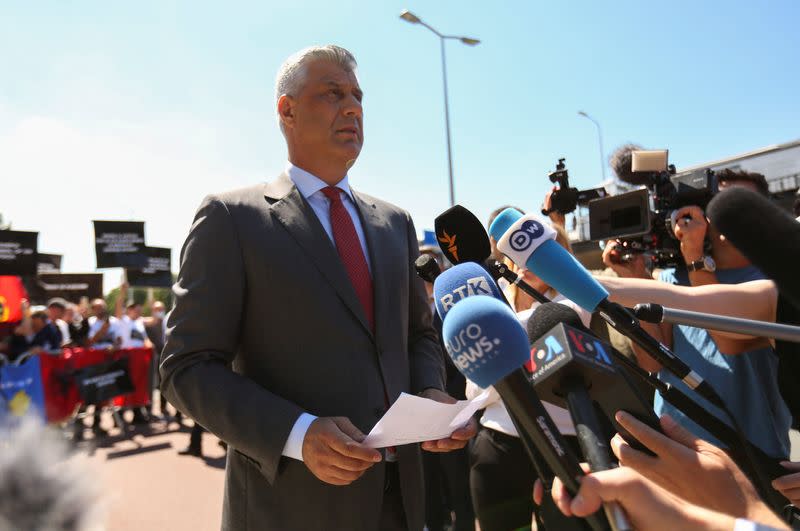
(427, 268)
(488, 345)
(528, 242)
(459, 282)
(655, 313)
(567, 358)
(462, 238)
(613, 398)
(765, 234)
(41, 487)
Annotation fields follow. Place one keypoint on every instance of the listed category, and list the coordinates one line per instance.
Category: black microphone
(488, 345)
(427, 267)
(462, 238)
(567, 358)
(750, 458)
(768, 236)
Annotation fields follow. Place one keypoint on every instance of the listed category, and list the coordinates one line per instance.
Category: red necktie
(350, 251)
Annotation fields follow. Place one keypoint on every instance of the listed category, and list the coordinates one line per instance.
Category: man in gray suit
(299, 318)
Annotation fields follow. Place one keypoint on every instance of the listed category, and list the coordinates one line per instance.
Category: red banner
(61, 392)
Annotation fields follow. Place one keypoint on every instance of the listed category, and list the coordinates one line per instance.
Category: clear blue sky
(115, 110)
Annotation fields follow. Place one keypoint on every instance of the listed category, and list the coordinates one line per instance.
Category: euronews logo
(471, 347)
(522, 238)
(474, 286)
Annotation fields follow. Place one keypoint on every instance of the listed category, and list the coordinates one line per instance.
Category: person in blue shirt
(35, 335)
(747, 381)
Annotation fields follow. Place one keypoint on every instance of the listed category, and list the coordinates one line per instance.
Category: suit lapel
(292, 210)
(377, 234)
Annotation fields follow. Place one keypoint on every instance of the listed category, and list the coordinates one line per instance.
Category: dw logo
(522, 238)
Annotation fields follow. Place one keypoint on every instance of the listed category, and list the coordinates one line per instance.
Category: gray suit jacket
(267, 325)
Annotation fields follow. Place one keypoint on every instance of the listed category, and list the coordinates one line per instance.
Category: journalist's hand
(690, 228)
(691, 468)
(555, 216)
(789, 485)
(634, 268)
(459, 438)
(332, 451)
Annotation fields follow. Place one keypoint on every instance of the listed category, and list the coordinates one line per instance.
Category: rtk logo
(474, 286)
(522, 238)
(450, 241)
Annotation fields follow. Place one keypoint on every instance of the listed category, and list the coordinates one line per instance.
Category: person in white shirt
(103, 328)
(501, 473)
(56, 307)
(131, 327)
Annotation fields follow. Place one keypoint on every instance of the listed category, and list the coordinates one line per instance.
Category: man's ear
(286, 110)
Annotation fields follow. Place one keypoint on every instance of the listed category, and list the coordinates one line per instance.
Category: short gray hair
(292, 73)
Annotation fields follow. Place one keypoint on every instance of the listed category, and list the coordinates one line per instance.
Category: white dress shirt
(311, 187)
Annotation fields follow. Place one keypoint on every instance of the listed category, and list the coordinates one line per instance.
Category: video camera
(565, 199)
(643, 220)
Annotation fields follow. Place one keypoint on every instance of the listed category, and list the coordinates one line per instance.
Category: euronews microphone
(468, 279)
(488, 345)
(768, 236)
(530, 242)
(462, 238)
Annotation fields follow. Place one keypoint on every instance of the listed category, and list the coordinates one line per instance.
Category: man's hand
(458, 439)
(648, 506)
(332, 451)
(690, 228)
(789, 485)
(635, 268)
(691, 468)
(555, 216)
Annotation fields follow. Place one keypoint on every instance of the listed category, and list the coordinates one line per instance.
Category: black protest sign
(104, 381)
(157, 274)
(69, 286)
(120, 244)
(48, 263)
(18, 252)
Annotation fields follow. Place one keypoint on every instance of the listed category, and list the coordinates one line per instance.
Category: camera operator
(748, 382)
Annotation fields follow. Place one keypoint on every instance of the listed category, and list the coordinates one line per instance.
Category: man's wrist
(294, 443)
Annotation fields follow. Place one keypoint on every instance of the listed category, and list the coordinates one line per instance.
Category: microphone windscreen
(462, 281)
(484, 339)
(503, 222)
(548, 315)
(461, 236)
(562, 272)
(427, 267)
(765, 234)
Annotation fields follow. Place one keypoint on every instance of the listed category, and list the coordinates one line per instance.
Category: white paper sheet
(413, 419)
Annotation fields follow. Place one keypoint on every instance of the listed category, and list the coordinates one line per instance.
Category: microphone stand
(655, 313)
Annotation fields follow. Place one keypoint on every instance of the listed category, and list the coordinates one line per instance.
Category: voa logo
(474, 286)
(522, 238)
(471, 347)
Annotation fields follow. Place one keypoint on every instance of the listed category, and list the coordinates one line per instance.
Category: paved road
(152, 488)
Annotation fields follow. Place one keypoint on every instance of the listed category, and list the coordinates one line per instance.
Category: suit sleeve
(425, 354)
(202, 340)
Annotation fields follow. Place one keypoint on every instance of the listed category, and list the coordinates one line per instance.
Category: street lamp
(600, 139)
(410, 17)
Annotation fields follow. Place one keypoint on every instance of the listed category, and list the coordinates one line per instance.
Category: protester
(103, 328)
(34, 334)
(77, 320)
(56, 310)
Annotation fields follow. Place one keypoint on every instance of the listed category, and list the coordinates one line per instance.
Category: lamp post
(410, 17)
(600, 139)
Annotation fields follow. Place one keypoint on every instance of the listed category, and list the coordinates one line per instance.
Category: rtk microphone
(462, 238)
(567, 358)
(488, 345)
(530, 243)
(765, 234)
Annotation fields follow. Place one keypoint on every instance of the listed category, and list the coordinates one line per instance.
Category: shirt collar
(309, 184)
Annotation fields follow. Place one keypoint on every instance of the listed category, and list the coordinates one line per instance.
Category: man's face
(37, 323)
(55, 312)
(134, 312)
(326, 120)
(98, 310)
